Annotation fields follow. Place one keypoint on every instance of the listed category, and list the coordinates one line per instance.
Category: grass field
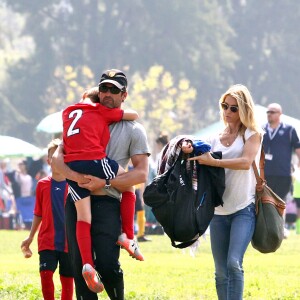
(166, 274)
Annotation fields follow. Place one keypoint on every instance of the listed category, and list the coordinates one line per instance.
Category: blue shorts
(104, 168)
(49, 260)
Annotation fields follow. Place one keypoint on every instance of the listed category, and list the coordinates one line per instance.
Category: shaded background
(180, 56)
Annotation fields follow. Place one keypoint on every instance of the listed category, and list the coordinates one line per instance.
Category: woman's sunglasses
(233, 108)
(113, 89)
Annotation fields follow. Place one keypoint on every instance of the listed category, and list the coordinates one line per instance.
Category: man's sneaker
(92, 279)
(143, 238)
(130, 246)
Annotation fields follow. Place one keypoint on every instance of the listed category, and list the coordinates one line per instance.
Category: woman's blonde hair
(246, 107)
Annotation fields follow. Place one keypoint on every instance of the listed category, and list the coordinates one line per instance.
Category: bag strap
(184, 244)
(260, 177)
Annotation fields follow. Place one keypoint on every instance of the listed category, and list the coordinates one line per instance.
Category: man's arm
(137, 175)
(57, 163)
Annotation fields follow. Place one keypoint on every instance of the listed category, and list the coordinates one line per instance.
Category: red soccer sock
(84, 240)
(67, 287)
(127, 213)
(47, 284)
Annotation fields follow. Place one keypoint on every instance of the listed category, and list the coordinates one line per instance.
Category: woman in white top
(233, 224)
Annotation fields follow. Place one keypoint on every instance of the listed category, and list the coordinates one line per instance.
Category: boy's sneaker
(131, 246)
(92, 279)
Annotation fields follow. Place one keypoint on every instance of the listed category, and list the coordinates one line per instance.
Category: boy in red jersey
(51, 193)
(85, 137)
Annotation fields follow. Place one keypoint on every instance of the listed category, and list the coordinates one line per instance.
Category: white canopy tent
(14, 147)
(51, 123)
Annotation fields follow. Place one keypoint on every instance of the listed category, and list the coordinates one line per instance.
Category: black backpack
(183, 212)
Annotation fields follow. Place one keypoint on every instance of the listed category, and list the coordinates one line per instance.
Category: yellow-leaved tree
(163, 103)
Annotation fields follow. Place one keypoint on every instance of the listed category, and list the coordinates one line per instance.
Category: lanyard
(272, 134)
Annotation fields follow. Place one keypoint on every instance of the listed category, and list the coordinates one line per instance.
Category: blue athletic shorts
(49, 260)
(105, 168)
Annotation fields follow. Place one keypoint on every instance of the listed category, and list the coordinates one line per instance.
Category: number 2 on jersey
(78, 114)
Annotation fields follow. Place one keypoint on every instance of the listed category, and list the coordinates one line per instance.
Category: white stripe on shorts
(74, 195)
(107, 169)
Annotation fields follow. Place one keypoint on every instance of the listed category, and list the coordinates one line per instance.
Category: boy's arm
(130, 115)
(34, 227)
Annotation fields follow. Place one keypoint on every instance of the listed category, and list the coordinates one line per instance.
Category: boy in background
(49, 218)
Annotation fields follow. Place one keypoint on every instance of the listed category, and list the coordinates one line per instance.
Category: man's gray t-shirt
(127, 138)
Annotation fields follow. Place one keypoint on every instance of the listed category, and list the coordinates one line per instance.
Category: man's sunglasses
(113, 89)
(272, 112)
(233, 108)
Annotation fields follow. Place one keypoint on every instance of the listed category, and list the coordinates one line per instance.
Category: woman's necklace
(230, 137)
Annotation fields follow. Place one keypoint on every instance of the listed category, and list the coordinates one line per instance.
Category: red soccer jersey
(50, 202)
(86, 132)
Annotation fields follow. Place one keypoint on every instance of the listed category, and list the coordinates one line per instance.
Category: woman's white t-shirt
(239, 184)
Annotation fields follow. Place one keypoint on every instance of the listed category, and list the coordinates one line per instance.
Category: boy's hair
(53, 145)
(92, 93)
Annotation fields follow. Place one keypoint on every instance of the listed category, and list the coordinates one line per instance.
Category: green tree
(189, 39)
(14, 47)
(267, 41)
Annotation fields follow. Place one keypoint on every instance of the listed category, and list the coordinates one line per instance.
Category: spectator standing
(160, 142)
(296, 196)
(51, 193)
(25, 202)
(280, 140)
(24, 180)
(6, 191)
(140, 214)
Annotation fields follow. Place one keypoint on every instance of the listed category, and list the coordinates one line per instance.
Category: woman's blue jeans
(230, 237)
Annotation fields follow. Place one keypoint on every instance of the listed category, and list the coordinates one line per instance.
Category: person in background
(161, 141)
(128, 140)
(38, 168)
(51, 194)
(25, 202)
(140, 211)
(11, 174)
(24, 180)
(280, 141)
(296, 196)
(6, 191)
(232, 226)
(140, 214)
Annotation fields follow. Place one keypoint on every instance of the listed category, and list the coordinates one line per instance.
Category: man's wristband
(107, 184)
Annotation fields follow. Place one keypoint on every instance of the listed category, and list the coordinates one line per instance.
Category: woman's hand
(205, 159)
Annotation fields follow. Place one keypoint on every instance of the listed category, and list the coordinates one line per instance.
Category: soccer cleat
(131, 246)
(92, 279)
